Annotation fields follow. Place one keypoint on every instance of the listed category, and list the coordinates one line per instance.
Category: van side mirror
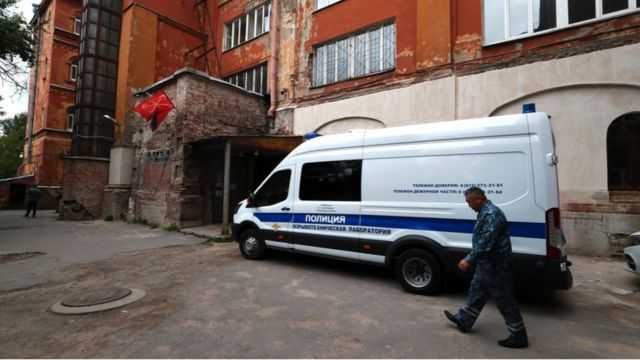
(251, 201)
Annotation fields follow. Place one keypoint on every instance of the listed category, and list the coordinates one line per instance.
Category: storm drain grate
(96, 300)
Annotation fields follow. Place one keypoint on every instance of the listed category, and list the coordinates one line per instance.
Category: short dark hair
(474, 190)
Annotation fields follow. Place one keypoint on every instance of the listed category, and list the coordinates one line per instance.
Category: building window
(77, 26)
(254, 79)
(71, 120)
(514, 19)
(73, 72)
(324, 3)
(623, 153)
(331, 181)
(366, 53)
(247, 27)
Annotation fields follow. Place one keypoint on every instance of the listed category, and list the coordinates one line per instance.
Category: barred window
(361, 54)
(254, 79)
(247, 27)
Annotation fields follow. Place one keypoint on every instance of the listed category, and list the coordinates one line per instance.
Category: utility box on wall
(120, 167)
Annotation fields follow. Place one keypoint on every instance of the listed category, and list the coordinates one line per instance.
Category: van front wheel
(419, 272)
(251, 246)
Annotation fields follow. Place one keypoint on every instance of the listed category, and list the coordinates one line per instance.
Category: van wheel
(251, 246)
(419, 272)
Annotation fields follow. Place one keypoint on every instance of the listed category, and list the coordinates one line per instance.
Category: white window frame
(263, 11)
(73, 72)
(77, 25)
(327, 3)
(562, 19)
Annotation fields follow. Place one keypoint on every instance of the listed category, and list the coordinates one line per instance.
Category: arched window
(623, 153)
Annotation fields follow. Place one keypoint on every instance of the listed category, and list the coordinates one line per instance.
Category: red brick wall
(84, 183)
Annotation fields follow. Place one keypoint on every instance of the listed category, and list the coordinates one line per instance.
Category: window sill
(245, 43)
(570, 26)
(326, 7)
(353, 79)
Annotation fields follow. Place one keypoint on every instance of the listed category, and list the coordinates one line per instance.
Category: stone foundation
(599, 224)
(116, 203)
(83, 188)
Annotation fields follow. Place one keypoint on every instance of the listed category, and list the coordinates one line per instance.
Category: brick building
(332, 65)
(51, 96)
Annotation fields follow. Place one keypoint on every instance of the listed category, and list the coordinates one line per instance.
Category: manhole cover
(96, 297)
(91, 301)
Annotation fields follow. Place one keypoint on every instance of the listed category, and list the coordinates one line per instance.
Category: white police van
(395, 197)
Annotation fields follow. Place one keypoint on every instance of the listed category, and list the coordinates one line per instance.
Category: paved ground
(64, 243)
(206, 301)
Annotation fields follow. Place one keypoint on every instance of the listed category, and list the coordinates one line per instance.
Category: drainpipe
(273, 58)
(34, 91)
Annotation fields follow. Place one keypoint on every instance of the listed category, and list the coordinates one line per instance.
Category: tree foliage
(12, 132)
(16, 44)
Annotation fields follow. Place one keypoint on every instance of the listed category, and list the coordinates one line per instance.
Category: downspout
(453, 23)
(34, 91)
(273, 57)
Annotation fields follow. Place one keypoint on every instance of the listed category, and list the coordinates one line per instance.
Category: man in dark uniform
(493, 277)
(33, 196)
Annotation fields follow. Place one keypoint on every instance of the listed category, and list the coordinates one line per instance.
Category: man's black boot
(515, 341)
(457, 322)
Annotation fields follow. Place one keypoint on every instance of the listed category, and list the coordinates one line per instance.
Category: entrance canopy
(233, 165)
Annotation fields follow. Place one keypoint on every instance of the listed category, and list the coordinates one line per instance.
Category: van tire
(419, 272)
(252, 247)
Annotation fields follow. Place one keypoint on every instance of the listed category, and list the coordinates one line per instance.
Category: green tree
(16, 44)
(11, 144)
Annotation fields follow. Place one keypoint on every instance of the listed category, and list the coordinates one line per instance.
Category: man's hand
(464, 265)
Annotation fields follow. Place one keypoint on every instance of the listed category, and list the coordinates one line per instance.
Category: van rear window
(331, 181)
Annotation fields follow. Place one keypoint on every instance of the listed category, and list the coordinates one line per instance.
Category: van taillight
(555, 238)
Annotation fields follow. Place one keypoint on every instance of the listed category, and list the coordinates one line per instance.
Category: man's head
(475, 197)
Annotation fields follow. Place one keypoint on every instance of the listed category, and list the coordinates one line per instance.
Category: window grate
(361, 54)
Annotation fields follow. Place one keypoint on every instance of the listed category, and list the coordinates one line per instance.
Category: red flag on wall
(155, 109)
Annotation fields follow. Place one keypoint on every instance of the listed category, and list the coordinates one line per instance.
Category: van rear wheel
(251, 246)
(419, 272)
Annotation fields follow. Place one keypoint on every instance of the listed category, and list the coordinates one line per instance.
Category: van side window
(331, 181)
(275, 190)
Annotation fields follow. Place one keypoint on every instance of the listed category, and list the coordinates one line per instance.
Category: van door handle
(285, 209)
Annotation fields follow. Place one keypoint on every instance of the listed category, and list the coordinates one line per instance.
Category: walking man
(33, 196)
(493, 277)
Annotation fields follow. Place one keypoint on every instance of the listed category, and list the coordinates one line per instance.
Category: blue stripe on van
(519, 229)
(273, 217)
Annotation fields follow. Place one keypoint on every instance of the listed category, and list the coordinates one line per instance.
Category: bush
(172, 227)
(108, 218)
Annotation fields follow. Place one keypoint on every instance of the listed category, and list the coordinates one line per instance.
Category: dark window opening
(623, 153)
(609, 6)
(581, 10)
(275, 190)
(544, 15)
(331, 181)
